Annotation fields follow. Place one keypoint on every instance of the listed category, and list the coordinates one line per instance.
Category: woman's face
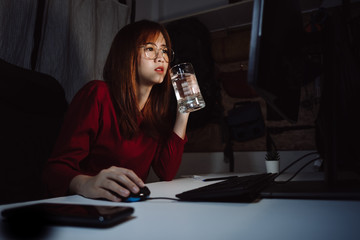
(152, 71)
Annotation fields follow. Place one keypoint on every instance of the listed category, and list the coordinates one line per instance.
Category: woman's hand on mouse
(107, 182)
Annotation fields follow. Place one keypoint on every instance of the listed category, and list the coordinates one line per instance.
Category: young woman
(116, 129)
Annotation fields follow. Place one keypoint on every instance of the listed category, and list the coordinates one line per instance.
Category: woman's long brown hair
(120, 73)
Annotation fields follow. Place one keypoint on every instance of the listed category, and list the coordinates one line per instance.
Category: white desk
(266, 219)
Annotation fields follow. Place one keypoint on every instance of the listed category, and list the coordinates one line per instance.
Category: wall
(245, 162)
(160, 10)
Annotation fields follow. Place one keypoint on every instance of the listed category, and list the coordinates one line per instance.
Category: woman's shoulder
(95, 85)
(95, 89)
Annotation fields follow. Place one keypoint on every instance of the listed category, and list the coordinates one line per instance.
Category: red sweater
(90, 141)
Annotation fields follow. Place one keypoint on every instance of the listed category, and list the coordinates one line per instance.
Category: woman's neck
(143, 93)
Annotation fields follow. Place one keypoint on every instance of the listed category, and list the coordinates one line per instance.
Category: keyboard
(236, 189)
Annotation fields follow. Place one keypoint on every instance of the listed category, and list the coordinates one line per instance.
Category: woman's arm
(63, 173)
(72, 146)
(180, 124)
(169, 154)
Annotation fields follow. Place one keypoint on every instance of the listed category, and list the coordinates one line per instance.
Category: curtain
(75, 37)
(17, 23)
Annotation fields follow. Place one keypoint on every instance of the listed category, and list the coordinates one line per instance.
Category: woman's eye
(149, 49)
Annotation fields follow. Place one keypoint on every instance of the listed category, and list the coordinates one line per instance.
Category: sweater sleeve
(78, 131)
(168, 158)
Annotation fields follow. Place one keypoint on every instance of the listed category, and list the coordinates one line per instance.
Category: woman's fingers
(119, 182)
(106, 194)
(110, 184)
(126, 178)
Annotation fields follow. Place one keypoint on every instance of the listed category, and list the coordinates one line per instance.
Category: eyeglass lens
(152, 51)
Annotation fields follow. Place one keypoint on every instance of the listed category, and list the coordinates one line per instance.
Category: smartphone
(68, 214)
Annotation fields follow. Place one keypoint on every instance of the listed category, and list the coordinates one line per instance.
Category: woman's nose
(160, 57)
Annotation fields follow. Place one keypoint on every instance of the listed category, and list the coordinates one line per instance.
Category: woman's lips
(159, 69)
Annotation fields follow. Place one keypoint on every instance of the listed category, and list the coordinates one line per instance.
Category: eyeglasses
(152, 52)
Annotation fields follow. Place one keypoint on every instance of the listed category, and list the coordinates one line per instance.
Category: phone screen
(68, 214)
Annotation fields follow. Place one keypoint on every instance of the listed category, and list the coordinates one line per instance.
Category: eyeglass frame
(157, 50)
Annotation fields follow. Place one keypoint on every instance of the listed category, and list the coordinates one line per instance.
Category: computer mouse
(142, 195)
